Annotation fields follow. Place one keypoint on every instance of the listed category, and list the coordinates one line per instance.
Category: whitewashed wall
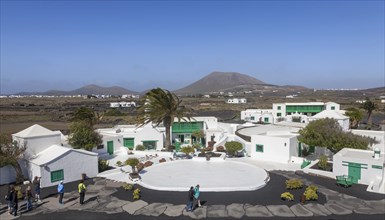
(73, 164)
(274, 148)
(38, 144)
(148, 133)
(367, 175)
(378, 135)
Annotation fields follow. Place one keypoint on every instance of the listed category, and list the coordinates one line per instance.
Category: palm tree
(369, 106)
(162, 106)
(355, 116)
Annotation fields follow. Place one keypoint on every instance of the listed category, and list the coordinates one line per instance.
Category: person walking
(60, 190)
(189, 206)
(82, 191)
(196, 195)
(28, 197)
(15, 202)
(36, 185)
(8, 198)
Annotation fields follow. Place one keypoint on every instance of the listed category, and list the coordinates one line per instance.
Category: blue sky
(143, 44)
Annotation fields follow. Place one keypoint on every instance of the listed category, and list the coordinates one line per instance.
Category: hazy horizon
(138, 45)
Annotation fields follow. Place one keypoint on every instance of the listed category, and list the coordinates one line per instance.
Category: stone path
(99, 199)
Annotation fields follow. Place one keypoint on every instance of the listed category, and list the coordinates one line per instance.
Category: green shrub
(310, 194)
(136, 194)
(140, 147)
(294, 184)
(312, 187)
(187, 150)
(233, 147)
(323, 162)
(119, 163)
(287, 196)
(128, 187)
(102, 165)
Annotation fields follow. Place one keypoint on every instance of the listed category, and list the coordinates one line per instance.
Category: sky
(63, 45)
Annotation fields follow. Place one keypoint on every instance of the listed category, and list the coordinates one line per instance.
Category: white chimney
(377, 153)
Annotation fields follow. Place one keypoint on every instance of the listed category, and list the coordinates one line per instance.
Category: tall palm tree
(369, 106)
(162, 106)
(355, 116)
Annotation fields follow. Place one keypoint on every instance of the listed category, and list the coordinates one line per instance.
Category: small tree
(82, 135)
(133, 161)
(188, 150)
(328, 133)
(10, 153)
(369, 106)
(323, 162)
(355, 116)
(198, 135)
(232, 147)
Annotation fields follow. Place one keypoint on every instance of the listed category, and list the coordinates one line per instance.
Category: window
(259, 148)
(279, 107)
(149, 145)
(266, 120)
(279, 114)
(57, 175)
(333, 108)
(100, 146)
(252, 118)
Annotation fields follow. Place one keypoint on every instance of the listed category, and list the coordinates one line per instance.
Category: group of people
(14, 194)
(193, 198)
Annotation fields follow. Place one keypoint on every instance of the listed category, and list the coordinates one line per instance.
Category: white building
(122, 104)
(342, 119)
(129, 136)
(47, 158)
(236, 101)
(294, 112)
(365, 167)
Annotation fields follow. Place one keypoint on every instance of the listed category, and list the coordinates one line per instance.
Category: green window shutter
(252, 118)
(333, 108)
(266, 120)
(57, 175)
(259, 148)
(279, 114)
(128, 142)
(279, 107)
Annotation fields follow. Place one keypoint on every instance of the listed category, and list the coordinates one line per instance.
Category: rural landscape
(52, 109)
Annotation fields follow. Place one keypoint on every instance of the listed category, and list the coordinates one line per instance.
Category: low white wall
(85, 163)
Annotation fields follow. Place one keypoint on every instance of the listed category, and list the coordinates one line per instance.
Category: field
(17, 114)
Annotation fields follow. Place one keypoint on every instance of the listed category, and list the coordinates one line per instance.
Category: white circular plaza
(212, 176)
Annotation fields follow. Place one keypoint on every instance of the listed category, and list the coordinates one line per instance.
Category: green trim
(57, 175)
(259, 148)
(187, 127)
(150, 141)
(376, 167)
(279, 114)
(305, 108)
(110, 147)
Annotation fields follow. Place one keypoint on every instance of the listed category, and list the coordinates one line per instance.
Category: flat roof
(360, 154)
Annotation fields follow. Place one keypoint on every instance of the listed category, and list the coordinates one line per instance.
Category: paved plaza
(105, 199)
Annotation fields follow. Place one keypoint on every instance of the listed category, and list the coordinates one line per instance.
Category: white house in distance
(295, 112)
(48, 159)
(236, 101)
(122, 104)
(342, 119)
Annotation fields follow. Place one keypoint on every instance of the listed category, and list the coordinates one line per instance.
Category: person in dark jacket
(8, 198)
(36, 185)
(189, 206)
(15, 202)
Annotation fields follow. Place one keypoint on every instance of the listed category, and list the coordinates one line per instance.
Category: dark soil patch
(210, 154)
(268, 195)
(329, 167)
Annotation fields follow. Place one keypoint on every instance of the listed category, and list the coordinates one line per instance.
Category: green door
(299, 149)
(128, 142)
(354, 171)
(110, 147)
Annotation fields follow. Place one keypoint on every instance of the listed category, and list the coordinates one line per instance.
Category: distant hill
(86, 90)
(220, 81)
